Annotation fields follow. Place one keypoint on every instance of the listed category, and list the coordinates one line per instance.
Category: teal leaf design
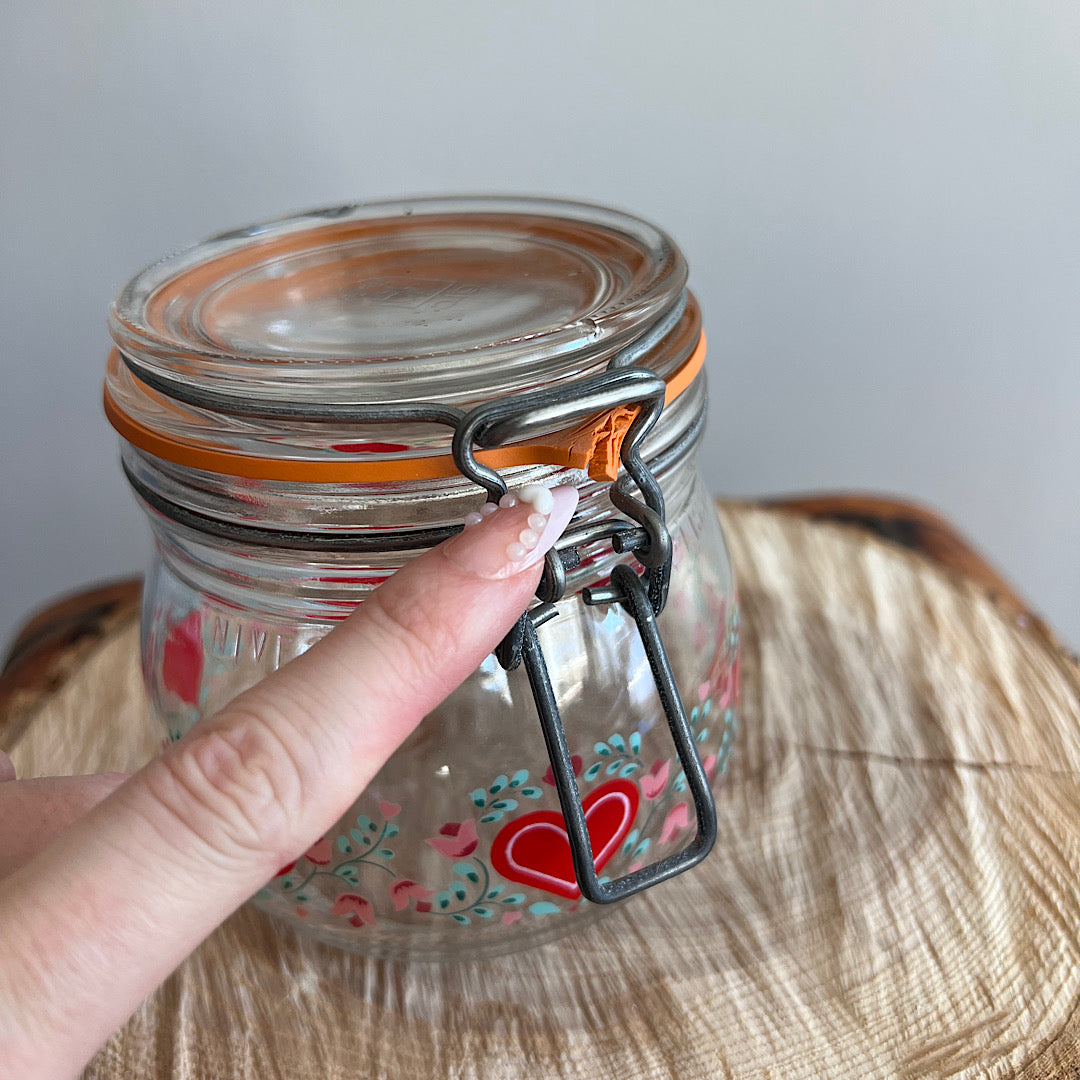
(500, 782)
(680, 782)
(358, 836)
(286, 885)
(613, 768)
(593, 771)
(513, 898)
(630, 841)
(384, 853)
(343, 845)
(694, 715)
(629, 768)
(530, 793)
(505, 804)
(442, 900)
(458, 889)
(603, 749)
(495, 815)
(390, 831)
(642, 847)
(483, 912)
(702, 735)
(302, 898)
(364, 822)
(458, 917)
(616, 740)
(519, 778)
(466, 870)
(544, 907)
(263, 894)
(635, 742)
(479, 797)
(497, 891)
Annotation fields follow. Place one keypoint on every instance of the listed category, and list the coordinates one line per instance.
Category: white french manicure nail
(504, 543)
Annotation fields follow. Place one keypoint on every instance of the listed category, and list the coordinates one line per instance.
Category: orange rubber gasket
(593, 446)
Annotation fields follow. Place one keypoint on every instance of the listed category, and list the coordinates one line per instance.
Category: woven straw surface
(895, 891)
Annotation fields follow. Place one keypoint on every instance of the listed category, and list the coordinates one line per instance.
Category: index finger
(180, 845)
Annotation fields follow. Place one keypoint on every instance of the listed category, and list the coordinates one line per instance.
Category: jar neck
(262, 544)
(351, 508)
(294, 584)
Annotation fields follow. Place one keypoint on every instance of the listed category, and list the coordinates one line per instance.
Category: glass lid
(453, 300)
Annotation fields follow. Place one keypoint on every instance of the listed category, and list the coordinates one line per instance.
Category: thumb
(176, 848)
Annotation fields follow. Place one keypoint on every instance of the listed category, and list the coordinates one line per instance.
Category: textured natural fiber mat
(895, 891)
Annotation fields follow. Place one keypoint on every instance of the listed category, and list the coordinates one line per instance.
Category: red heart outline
(534, 849)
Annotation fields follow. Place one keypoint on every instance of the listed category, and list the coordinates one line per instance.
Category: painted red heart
(182, 659)
(534, 849)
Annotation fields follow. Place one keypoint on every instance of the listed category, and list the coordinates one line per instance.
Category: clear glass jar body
(326, 383)
(421, 864)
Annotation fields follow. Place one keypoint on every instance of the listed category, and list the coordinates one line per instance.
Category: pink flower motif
(403, 888)
(510, 917)
(456, 839)
(389, 809)
(729, 686)
(320, 853)
(678, 818)
(709, 765)
(359, 911)
(549, 776)
(654, 782)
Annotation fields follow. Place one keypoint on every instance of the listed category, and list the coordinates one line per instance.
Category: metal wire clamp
(644, 597)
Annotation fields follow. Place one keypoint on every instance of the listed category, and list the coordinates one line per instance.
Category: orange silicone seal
(592, 446)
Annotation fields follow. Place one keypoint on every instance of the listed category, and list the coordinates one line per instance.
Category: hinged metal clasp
(643, 597)
(636, 601)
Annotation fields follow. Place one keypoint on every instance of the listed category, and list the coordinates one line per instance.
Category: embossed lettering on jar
(309, 403)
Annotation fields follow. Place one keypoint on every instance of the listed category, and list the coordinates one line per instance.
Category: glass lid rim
(240, 371)
(550, 450)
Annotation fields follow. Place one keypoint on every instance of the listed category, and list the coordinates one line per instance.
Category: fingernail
(500, 541)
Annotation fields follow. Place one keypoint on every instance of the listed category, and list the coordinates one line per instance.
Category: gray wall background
(878, 201)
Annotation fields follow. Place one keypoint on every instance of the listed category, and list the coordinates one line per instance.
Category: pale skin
(163, 856)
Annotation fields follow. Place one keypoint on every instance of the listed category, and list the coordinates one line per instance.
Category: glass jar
(307, 404)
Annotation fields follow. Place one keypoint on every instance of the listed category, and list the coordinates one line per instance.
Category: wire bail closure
(642, 597)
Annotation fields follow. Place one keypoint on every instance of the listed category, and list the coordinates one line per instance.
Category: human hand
(165, 855)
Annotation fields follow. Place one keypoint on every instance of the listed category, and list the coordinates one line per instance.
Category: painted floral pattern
(508, 855)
